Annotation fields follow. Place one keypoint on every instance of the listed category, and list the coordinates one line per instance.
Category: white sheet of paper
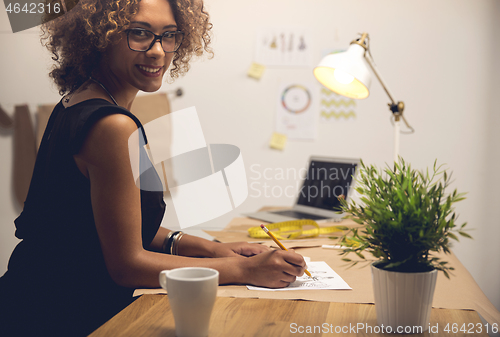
(327, 278)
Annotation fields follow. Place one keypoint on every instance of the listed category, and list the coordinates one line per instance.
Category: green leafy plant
(406, 216)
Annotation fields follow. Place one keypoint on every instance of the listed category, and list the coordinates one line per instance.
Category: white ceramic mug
(191, 293)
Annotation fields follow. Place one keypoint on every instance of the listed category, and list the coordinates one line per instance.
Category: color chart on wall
(296, 111)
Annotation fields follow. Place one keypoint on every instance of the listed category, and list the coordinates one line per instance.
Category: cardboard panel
(24, 152)
(5, 120)
(148, 108)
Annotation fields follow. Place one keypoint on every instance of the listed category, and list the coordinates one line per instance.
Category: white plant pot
(403, 299)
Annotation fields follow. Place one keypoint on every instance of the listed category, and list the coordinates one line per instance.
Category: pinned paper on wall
(335, 107)
(284, 46)
(296, 112)
(278, 141)
(256, 70)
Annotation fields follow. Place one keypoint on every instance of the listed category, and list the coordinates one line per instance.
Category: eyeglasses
(140, 39)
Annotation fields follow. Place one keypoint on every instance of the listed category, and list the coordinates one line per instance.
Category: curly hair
(78, 39)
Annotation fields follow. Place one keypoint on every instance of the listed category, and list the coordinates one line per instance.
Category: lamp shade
(345, 73)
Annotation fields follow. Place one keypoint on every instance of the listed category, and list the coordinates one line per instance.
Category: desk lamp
(347, 74)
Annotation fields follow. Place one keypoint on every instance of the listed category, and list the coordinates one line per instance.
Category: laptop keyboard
(300, 215)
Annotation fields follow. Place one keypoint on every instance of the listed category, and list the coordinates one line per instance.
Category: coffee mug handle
(163, 279)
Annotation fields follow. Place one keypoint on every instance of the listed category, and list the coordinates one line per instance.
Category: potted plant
(406, 216)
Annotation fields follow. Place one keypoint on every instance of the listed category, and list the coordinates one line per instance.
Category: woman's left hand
(238, 249)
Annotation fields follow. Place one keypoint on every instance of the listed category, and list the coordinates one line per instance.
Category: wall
(437, 57)
(489, 234)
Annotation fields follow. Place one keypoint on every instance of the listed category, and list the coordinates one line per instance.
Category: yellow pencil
(271, 235)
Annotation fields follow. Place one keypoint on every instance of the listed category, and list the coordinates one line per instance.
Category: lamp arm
(370, 62)
(396, 107)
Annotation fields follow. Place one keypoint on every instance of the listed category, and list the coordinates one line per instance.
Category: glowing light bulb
(343, 77)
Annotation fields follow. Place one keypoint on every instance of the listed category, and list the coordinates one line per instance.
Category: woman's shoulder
(101, 120)
(113, 125)
(100, 106)
(108, 136)
(104, 142)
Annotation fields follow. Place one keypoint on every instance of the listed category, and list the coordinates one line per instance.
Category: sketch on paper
(326, 278)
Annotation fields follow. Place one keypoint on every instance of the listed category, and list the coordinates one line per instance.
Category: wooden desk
(150, 315)
(238, 313)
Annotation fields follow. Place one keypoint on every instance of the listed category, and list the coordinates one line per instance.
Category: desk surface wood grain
(150, 315)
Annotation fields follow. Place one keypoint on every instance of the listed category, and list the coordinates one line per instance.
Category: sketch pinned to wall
(335, 107)
(296, 115)
(289, 47)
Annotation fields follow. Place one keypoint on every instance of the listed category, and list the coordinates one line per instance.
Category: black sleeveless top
(57, 279)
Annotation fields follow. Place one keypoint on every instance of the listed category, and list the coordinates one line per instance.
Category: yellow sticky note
(256, 70)
(278, 141)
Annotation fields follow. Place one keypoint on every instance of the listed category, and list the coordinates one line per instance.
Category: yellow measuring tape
(288, 230)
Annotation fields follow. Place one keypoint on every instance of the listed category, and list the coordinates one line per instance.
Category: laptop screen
(324, 182)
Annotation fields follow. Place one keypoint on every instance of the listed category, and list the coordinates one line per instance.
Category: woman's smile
(150, 71)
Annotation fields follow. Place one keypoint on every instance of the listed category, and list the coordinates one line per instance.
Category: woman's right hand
(274, 269)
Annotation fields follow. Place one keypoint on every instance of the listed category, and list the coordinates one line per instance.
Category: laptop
(326, 179)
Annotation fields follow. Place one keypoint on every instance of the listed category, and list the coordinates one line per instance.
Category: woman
(89, 235)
